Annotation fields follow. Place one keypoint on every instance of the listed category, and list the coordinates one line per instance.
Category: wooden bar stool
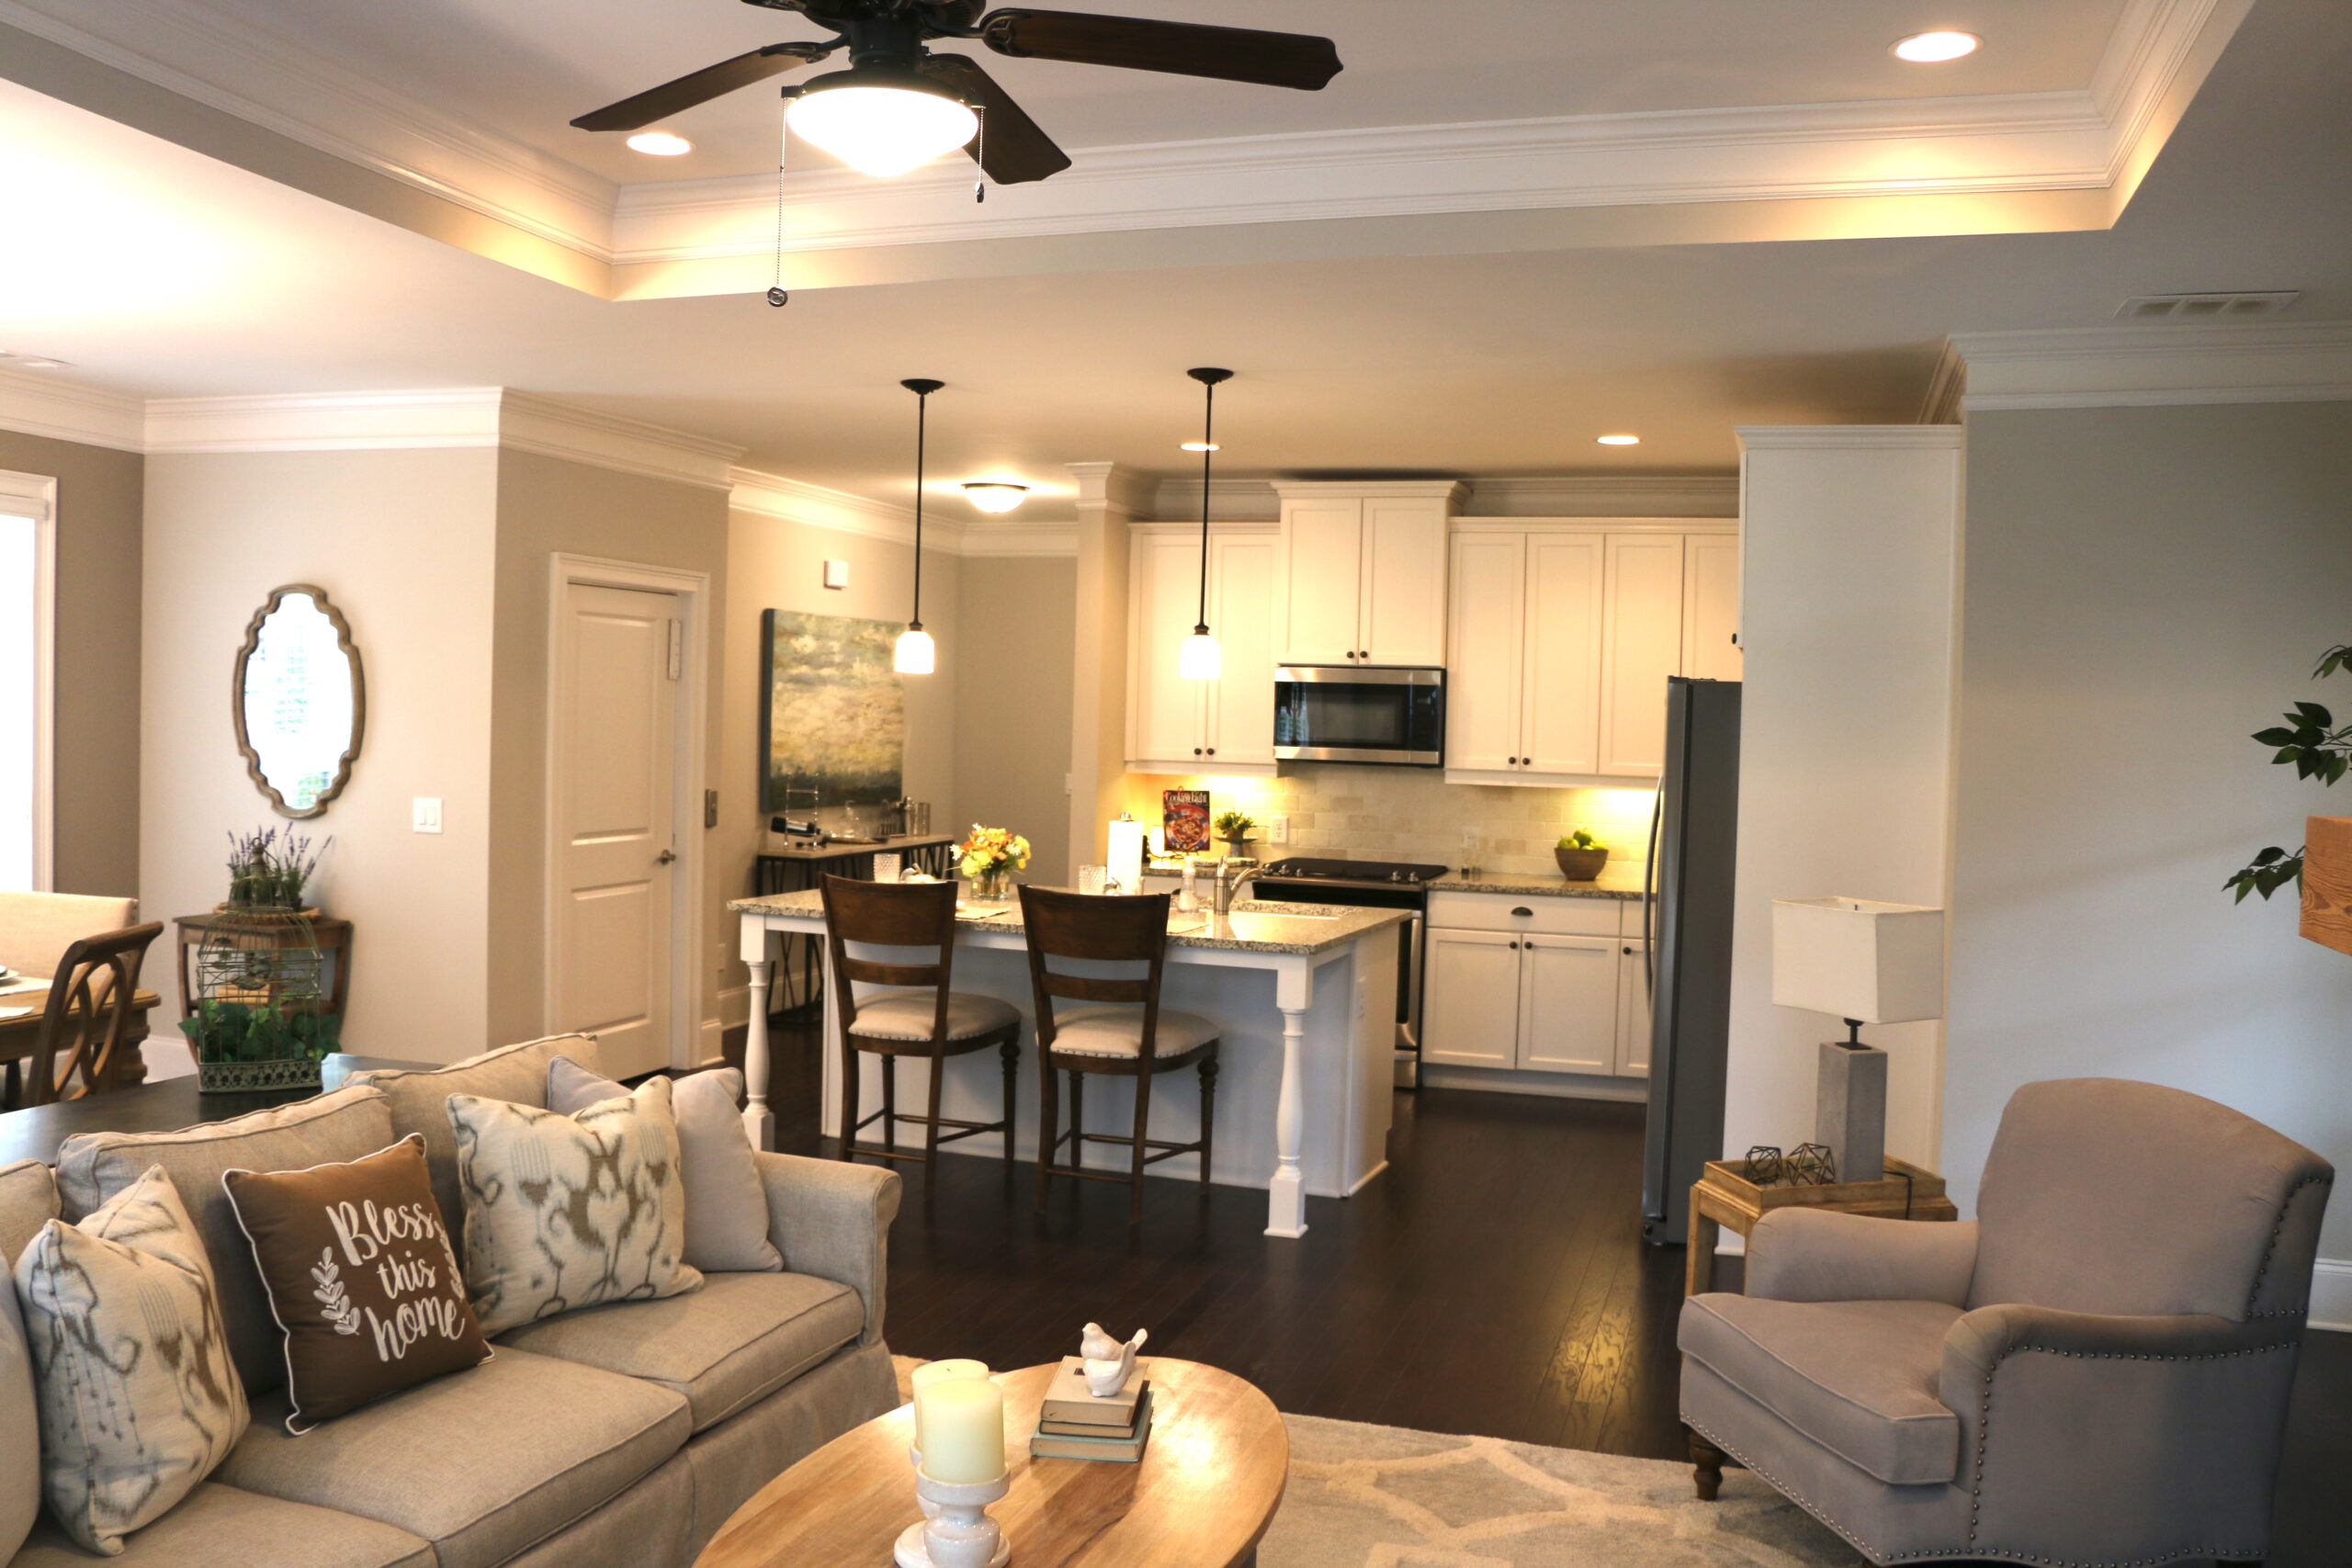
(1125, 1033)
(922, 1016)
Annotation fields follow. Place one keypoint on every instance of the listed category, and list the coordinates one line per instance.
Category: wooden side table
(1724, 1196)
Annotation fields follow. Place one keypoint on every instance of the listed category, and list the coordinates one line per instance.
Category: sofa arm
(831, 1219)
(2089, 1438)
(1820, 1255)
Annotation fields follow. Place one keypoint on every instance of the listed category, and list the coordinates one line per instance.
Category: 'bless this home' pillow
(361, 1277)
(565, 1211)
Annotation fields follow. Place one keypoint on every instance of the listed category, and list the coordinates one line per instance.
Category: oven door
(1333, 713)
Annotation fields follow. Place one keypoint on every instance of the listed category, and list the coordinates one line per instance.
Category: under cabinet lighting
(1934, 49)
(1619, 440)
(660, 144)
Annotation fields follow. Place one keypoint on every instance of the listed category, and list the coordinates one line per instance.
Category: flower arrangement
(991, 851)
(267, 872)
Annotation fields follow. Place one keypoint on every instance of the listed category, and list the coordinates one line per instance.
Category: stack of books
(1073, 1423)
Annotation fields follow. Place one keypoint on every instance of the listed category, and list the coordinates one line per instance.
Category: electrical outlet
(1278, 829)
(425, 814)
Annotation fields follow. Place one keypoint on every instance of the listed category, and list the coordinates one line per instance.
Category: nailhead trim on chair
(2263, 1270)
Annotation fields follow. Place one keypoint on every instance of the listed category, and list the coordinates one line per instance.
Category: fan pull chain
(776, 296)
(980, 180)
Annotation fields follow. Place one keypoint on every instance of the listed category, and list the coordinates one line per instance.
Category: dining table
(163, 1106)
(24, 1002)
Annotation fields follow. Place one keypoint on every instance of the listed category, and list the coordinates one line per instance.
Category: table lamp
(1864, 962)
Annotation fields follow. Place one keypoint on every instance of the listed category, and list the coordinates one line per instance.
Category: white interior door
(1470, 999)
(1568, 1019)
(1641, 646)
(1482, 673)
(1163, 708)
(1241, 721)
(1561, 727)
(1322, 566)
(618, 654)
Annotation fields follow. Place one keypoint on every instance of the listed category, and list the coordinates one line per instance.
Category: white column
(759, 1124)
(1286, 1196)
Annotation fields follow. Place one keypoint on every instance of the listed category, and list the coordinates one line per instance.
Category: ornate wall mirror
(300, 703)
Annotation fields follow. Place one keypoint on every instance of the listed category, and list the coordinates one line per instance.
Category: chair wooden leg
(1011, 1050)
(930, 1139)
(1078, 1120)
(1209, 1114)
(890, 1103)
(849, 1098)
(1049, 1130)
(1706, 1467)
(1138, 1150)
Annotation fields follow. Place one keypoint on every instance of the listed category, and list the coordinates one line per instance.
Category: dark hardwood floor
(1493, 1282)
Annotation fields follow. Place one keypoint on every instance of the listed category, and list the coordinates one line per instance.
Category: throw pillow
(565, 1211)
(27, 1202)
(138, 1400)
(726, 1204)
(362, 1278)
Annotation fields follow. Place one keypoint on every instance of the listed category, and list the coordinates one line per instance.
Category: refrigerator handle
(1649, 874)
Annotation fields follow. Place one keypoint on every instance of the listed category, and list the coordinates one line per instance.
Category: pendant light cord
(923, 418)
(1208, 439)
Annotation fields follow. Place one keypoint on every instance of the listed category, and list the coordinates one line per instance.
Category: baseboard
(2332, 1294)
(1558, 1086)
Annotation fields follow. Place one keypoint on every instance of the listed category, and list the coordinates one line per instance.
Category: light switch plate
(425, 814)
(837, 574)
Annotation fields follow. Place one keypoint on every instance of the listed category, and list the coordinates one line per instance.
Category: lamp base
(1849, 1110)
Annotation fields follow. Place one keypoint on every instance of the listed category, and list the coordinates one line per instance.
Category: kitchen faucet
(1225, 883)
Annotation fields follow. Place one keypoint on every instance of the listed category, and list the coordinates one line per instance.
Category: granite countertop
(1255, 925)
(1617, 880)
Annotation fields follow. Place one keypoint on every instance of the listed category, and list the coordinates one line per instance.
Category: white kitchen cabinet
(1176, 726)
(1532, 985)
(1711, 607)
(1568, 1004)
(1560, 687)
(1484, 711)
(1470, 998)
(1363, 572)
(1632, 1056)
(1641, 646)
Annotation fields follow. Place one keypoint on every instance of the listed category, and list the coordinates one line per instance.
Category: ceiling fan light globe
(881, 131)
(915, 654)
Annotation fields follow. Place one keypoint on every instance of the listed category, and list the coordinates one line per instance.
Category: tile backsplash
(1404, 814)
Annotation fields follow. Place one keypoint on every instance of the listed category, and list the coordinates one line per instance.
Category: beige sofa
(617, 1437)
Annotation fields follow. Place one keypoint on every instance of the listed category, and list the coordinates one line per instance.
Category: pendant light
(1199, 658)
(916, 653)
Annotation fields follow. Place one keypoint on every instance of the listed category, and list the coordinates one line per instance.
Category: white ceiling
(160, 271)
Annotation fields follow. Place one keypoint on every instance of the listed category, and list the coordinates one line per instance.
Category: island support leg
(1286, 1198)
(759, 1123)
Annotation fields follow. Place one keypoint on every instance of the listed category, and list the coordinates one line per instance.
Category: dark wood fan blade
(1185, 49)
(701, 86)
(1017, 149)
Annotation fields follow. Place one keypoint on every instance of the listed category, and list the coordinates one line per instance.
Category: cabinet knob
(1212, 751)
(1196, 751)
(1523, 909)
(1629, 953)
(1514, 947)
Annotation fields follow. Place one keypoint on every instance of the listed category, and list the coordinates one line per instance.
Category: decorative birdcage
(261, 1018)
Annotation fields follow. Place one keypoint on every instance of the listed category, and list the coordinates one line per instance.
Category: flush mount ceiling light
(881, 122)
(1619, 440)
(916, 654)
(30, 361)
(995, 495)
(1934, 49)
(1199, 658)
(660, 144)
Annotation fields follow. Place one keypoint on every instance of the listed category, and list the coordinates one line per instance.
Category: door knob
(665, 857)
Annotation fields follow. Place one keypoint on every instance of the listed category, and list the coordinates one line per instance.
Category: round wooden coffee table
(1201, 1498)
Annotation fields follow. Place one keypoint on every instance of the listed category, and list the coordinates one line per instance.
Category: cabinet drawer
(1547, 916)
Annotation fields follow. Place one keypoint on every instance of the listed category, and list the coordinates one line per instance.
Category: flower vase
(994, 885)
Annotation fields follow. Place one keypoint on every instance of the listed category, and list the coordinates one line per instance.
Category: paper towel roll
(1126, 854)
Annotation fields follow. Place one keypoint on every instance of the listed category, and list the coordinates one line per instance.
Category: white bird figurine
(1109, 1364)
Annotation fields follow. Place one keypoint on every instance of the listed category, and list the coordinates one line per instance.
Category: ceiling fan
(899, 104)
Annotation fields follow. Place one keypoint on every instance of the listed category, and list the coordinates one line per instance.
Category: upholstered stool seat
(1118, 1032)
(907, 1015)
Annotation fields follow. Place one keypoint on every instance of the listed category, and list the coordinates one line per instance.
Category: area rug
(1363, 1496)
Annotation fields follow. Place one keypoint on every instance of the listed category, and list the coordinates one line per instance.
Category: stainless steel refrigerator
(1687, 910)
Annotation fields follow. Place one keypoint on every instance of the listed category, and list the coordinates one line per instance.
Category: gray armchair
(2094, 1373)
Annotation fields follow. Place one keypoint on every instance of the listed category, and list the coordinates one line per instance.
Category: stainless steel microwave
(1346, 712)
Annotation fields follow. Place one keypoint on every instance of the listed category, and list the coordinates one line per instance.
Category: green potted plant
(1236, 829)
(1580, 855)
(259, 1017)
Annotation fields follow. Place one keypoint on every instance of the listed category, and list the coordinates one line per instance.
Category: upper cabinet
(1563, 636)
(1363, 577)
(1225, 726)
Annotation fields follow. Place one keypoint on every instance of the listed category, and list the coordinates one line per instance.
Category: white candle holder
(956, 1532)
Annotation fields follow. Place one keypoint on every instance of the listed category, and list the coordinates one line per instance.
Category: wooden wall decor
(2327, 882)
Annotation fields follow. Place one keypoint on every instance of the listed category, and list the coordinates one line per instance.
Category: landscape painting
(833, 719)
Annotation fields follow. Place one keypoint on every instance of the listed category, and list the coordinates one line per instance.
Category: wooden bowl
(1580, 865)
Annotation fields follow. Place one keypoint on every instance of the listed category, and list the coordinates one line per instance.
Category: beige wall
(549, 506)
(97, 765)
(402, 544)
(1013, 722)
(2146, 587)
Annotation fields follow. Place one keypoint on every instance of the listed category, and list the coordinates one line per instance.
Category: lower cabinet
(1535, 1002)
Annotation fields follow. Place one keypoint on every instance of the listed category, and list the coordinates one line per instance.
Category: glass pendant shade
(916, 654)
(881, 131)
(1199, 658)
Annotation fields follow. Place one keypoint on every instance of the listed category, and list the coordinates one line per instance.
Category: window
(26, 577)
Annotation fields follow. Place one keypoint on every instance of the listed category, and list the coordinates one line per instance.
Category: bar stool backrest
(1116, 930)
(891, 914)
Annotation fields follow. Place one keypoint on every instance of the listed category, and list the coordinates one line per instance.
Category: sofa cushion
(517, 1074)
(724, 1349)
(94, 1167)
(727, 1206)
(1858, 1378)
(220, 1526)
(909, 1015)
(27, 1202)
(1118, 1031)
(482, 1463)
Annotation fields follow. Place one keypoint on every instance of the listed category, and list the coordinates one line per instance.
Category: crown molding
(1033, 540)
(1848, 437)
(2158, 364)
(814, 506)
(1947, 388)
(34, 402)
(529, 423)
(1564, 495)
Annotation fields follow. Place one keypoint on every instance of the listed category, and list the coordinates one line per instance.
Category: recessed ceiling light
(1198, 446)
(661, 144)
(1619, 440)
(1933, 49)
(995, 495)
(30, 361)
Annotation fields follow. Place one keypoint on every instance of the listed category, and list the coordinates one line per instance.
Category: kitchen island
(1302, 996)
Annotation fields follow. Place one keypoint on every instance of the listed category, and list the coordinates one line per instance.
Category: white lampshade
(916, 653)
(1852, 958)
(1199, 658)
(882, 131)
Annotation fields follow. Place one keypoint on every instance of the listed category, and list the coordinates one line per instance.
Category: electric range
(1376, 884)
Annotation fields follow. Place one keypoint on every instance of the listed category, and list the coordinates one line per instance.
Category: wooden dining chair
(921, 1015)
(1123, 1032)
(92, 1002)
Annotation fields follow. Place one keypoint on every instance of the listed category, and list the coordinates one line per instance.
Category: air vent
(2207, 307)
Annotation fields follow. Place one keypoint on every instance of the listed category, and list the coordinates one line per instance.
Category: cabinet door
(1568, 1004)
(1402, 619)
(1241, 612)
(1711, 606)
(1322, 578)
(1641, 646)
(1560, 680)
(1633, 1009)
(1470, 998)
(1164, 710)
(1482, 674)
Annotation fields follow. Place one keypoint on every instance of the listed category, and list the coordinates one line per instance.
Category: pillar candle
(962, 1421)
(945, 1370)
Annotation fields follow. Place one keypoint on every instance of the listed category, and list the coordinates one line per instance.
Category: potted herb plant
(1580, 857)
(259, 1015)
(1236, 829)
